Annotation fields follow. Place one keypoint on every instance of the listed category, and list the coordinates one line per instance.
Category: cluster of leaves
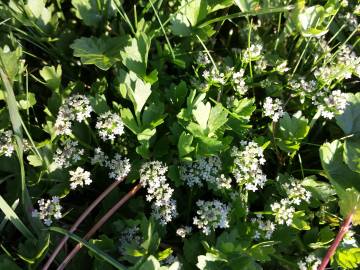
(172, 71)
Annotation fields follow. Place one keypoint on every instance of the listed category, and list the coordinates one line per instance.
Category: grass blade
(91, 247)
(14, 219)
(6, 219)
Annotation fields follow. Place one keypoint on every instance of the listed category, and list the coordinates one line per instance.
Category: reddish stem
(101, 222)
(331, 251)
(79, 221)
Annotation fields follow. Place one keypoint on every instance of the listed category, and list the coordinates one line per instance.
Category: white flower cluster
(68, 154)
(76, 108)
(296, 192)
(47, 210)
(330, 104)
(79, 177)
(203, 59)
(183, 231)
(152, 177)
(109, 126)
(273, 108)
(303, 87)
(247, 170)
(349, 239)
(119, 166)
(239, 82)
(6, 143)
(214, 76)
(283, 211)
(265, 228)
(129, 236)
(211, 215)
(206, 169)
(261, 65)
(252, 53)
(310, 262)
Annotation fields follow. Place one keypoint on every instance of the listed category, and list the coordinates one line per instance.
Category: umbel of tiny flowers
(247, 165)
(68, 154)
(264, 228)
(211, 215)
(330, 104)
(152, 177)
(48, 209)
(184, 231)
(75, 108)
(79, 177)
(204, 170)
(296, 192)
(6, 143)
(273, 108)
(310, 262)
(283, 211)
(109, 125)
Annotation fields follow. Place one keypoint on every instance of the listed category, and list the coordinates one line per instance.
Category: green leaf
(32, 250)
(247, 5)
(129, 120)
(137, 90)
(331, 155)
(299, 221)
(34, 160)
(102, 52)
(99, 104)
(6, 263)
(349, 121)
(201, 114)
(151, 263)
(352, 153)
(195, 11)
(348, 258)
(9, 60)
(91, 247)
(135, 56)
(290, 131)
(26, 101)
(209, 262)
(52, 76)
(153, 115)
(262, 251)
(217, 118)
(14, 219)
(180, 26)
(319, 190)
(92, 12)
(184, 144)
(350, 203)
(214, 5)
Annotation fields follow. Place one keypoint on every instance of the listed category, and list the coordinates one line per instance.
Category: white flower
(211, 215)
(330, 104)
(273, 108)
(247, 170)
(75, 108)
(79, 177)
(239, 82)
(6, 143)
(99, 157)
(283, 211)
(206, 169)
(203, 59)
(265, 228)
(252, 53)
(296, 192)
(68, 154)
(47, 210)
(152, 177)
(109, 126)
(183, 231)
(310, 262)
(119, 167)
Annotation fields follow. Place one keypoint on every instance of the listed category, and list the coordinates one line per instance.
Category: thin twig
(101, 222)
(331, 251)
(79, 221)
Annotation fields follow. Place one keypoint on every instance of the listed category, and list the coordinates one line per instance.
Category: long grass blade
(14, 219)
(91, 247)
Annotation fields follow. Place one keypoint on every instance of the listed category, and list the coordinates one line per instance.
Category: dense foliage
(234, 124)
